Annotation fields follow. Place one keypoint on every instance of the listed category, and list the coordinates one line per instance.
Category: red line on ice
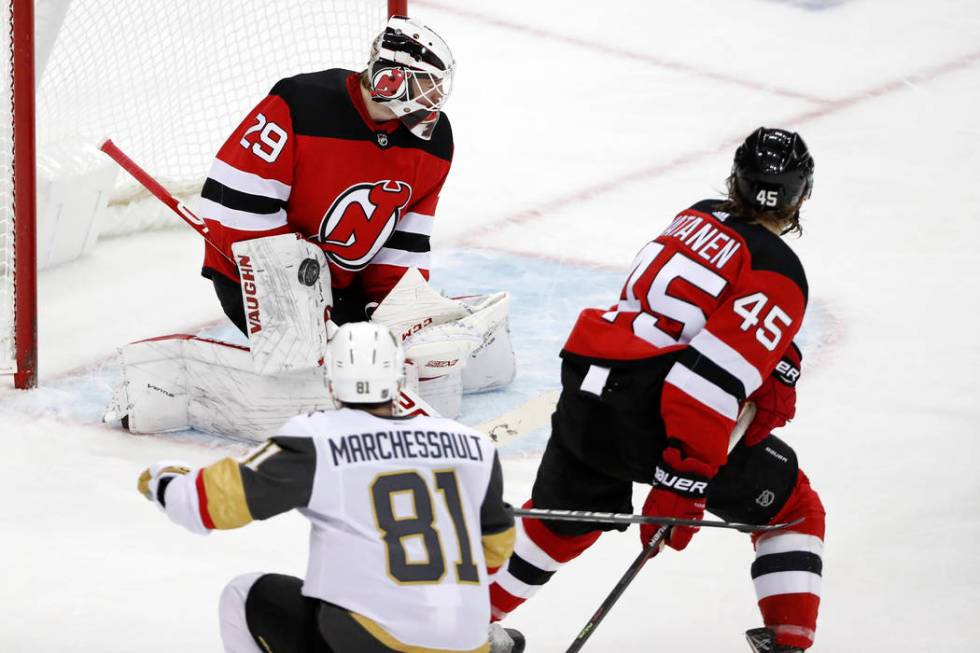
(617, 51)
(549, 206)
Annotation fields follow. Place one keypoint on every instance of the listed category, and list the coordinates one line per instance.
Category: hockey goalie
(318, 211)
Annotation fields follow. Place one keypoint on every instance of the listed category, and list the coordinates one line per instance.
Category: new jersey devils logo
(360, 221)
(389, 84)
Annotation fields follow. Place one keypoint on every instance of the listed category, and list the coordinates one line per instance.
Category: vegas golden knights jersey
(407, 516)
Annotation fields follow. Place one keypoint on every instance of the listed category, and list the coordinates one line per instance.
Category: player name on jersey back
(708, 241)
(409, 444)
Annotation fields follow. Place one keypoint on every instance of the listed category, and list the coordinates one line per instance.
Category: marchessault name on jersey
(408, 445)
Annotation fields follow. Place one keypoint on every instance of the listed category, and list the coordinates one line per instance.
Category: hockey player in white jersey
(407, 519)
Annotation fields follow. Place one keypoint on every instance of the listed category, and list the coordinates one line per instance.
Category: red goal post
(18, 270)
(84, 69)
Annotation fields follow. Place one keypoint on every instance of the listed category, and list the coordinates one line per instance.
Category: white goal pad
(182, 381)
(443, 335)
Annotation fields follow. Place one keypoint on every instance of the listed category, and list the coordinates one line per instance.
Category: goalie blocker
(181, 381)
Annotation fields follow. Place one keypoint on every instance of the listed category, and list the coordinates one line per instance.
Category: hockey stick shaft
(621, 518)
(161, 193)
(648, 552)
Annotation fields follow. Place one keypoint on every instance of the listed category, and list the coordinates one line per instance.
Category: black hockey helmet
(773, 169)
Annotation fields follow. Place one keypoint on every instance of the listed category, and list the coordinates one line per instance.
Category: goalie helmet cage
(167, 80)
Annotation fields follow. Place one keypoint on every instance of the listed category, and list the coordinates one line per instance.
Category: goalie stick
(529, 416)
(536, 413)
(161, 193)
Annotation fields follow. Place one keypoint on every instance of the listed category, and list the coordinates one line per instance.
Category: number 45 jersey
(719, 301)
(407, 515)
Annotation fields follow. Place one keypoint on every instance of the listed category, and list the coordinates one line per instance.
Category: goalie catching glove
(679, 491)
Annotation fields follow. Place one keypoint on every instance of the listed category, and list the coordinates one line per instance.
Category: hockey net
(167, 81)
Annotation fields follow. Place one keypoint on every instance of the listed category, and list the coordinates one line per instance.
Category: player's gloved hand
(156, 477)
(775, 399)
(681, 485)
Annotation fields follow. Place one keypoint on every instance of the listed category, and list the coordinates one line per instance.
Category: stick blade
(528, 417)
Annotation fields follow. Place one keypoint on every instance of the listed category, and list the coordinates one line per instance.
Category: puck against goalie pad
(285, 291)
(309, 271)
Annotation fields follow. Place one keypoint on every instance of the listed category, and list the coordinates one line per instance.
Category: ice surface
(581, 128)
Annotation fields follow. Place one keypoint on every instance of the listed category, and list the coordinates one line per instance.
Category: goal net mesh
(167, 81)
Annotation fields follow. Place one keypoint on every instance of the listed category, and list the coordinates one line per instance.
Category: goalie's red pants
(786, 572)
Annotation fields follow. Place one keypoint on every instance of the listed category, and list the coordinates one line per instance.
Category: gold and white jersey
(397, 509)
(407, 515)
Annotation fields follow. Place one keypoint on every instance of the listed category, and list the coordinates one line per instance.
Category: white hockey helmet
(411, 72)
(366, 363)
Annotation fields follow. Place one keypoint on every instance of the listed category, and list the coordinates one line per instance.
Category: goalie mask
(366, 363)
(411, 72)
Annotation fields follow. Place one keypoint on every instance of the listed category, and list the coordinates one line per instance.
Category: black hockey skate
(505, 640)
(763, 640)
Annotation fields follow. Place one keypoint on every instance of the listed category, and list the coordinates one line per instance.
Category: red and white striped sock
(788, 568)
(538, 553)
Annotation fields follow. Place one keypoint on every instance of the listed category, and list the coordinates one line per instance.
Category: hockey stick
(536, 413)
(745, 418)
(529, 416)
(161, 193)
(656, 542)
(620, 518)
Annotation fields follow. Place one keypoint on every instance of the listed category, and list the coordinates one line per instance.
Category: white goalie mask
(411, 72)
(366, 363)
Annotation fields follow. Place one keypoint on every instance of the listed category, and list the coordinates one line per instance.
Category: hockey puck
(309, 272)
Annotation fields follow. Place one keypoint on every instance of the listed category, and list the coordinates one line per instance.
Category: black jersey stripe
(282, 481)
(788, 561)
(526, 572)
(707, 369)
(495, 516)
(408, 242)
(769, 252)
(237, 200)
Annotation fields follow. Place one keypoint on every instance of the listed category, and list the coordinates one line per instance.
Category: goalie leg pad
(492, 363)
(286, 292)
(479, 344)
(181, 381)
(440, 349)
(444, 393)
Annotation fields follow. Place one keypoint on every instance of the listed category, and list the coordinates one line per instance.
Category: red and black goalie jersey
(309, 159)
(724, 298)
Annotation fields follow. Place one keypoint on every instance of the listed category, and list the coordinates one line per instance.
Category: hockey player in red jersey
(353, 161)
(651, 389)
(407, 519)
